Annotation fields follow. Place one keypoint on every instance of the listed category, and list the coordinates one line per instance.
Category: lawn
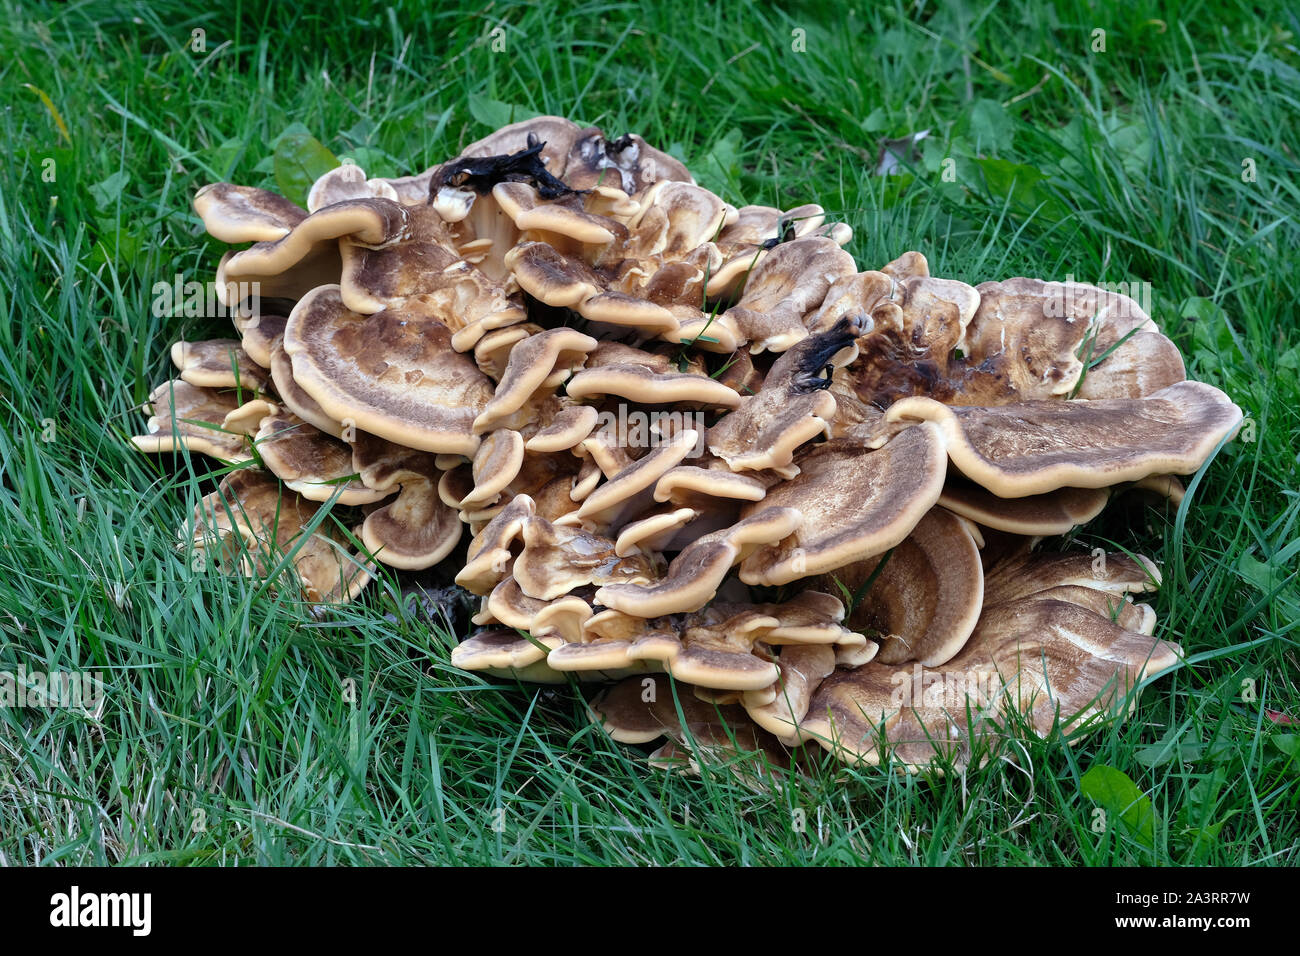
(1113, 142)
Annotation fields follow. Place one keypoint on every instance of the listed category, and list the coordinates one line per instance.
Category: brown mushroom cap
(369, 220)
(1167, 487)
(566, 429)
(620, 309)
(692, 482)
(552, 277)
(545, 477)
(653, 532)
(611, 452)
(496, 463)
(247, 418)
(638, 710)
(1039, 658)
(329, 571)
(557, 559)
(346, 182)
(491, 553)
(492, 351)
(769, 428)
(756, 229)
(508, 653)
(740, 373)
(792, 407)
(383, 465)
(588, 657)
(292, 395)
(907, 265)
(788, 284)
(236, 214)
(1141, 365)
(218, 363)
(657, 357)
(694, 576)
(565, 281)
(586, 480)
(676, 218)
(420, 269)
(1040, 334)
(673, 279)
(1024, 575)
(271, 523)
(631, 489)
(612, 202)
(507, 604)
(650, 276)
(925, 600)
(525, 657)
(1140, 618)
(245, 503)
(723, 649)
(719, 645)
(1054, 512)
(563, 217)
(1030, 448)
(187, 416)
(713, 652)
(563, 616)
(394, 374)
(871, 294)
(538, 362)
(855, 505)
(803, 667)
(416, 530)
(310, 462)
(309, 255)
(911, 351)
(646, 386)
(258, 334)
(1034, 351)
(811, 617)
(318, 265)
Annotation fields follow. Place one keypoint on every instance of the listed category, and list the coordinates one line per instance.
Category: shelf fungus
(253, 526)
(689, 450)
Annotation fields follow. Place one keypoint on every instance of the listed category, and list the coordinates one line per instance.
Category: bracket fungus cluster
(659, 436)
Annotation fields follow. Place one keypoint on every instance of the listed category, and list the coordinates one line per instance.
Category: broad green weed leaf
(496, 114)
(106, 193)
(1119, 796)
(300, 159)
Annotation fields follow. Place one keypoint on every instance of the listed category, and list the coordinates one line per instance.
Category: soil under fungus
(655, 434)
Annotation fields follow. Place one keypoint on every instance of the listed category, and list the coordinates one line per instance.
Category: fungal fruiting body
(661, 436)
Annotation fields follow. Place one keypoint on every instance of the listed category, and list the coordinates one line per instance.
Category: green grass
(226, 735)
